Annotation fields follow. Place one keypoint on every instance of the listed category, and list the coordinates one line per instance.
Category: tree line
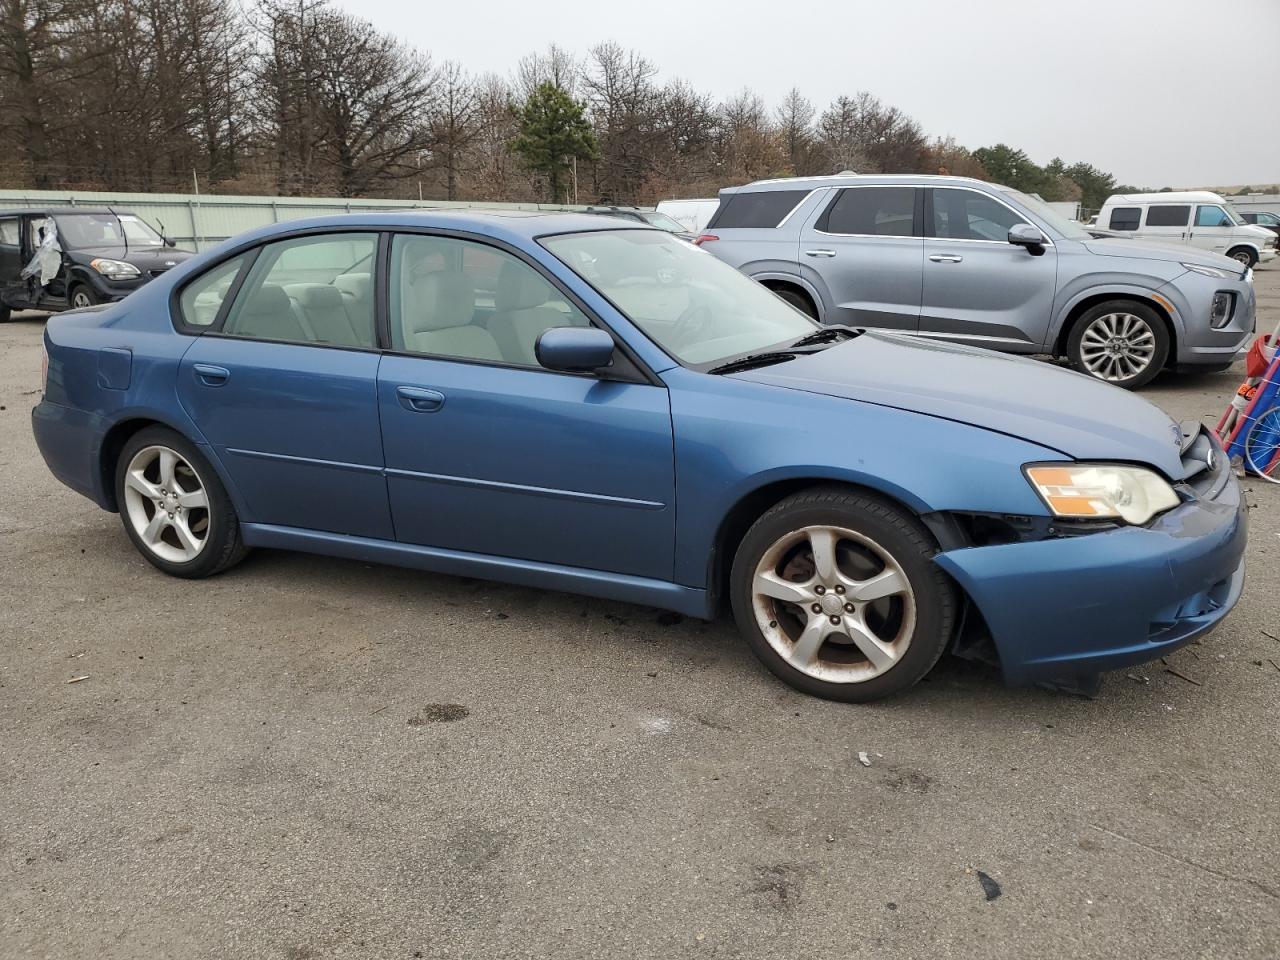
(297, 98)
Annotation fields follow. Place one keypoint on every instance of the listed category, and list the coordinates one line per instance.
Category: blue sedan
(566, 402)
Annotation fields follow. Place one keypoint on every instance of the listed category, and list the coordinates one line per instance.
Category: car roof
(514, 226)
(855, 179)
(53, 211)
(1178, 196)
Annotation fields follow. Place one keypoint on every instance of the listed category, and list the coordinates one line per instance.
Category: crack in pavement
(1256, 884)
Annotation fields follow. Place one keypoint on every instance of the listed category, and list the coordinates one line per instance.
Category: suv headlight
(114, 269)
(1214, 272)
(1102, 491)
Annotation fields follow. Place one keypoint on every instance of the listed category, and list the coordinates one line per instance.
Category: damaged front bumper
(1069, 607)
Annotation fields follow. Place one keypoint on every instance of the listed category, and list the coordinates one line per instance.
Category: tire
(82, 296)
(5, 313)
(1244, 255)
(151, 497)
(1111, 339)
(912, 626)
(799, 301)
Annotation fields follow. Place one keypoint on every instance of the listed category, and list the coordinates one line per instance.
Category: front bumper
(1068, 607)
(1199, 344)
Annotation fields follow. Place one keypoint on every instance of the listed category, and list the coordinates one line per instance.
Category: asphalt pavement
(313, 758)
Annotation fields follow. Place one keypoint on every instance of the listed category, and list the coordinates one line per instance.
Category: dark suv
(87, 257)
(1263, 218)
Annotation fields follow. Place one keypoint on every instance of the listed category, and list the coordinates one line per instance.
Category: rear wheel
(82, 296)
(5, 312)
(798, 300)
(1244, 255)
(1120, 341)
(174, 507)
(838, 595)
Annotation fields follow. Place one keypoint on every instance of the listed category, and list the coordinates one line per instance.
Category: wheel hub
(832, 605)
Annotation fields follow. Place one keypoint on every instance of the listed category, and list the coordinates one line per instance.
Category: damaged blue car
(568, 402)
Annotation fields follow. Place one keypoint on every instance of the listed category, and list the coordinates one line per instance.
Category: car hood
(1077, 415)
(1174, 251)
(141, 257)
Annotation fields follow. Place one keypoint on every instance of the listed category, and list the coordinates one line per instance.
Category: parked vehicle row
(1194, 218)
(972, 262)
(90, 256)
(580, 403)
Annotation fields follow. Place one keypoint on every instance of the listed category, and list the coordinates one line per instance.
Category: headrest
(269, 298)
(519, 288)
(355, 285)
(315, 295)
(440, 300)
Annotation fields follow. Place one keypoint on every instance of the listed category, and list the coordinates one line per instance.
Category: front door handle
(420, 399)
(210, 375)
(819, 253)
(946, 258)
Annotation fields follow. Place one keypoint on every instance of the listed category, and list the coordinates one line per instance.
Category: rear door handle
(819, 253)
(946, 258)
(420, 399)
(210, 375)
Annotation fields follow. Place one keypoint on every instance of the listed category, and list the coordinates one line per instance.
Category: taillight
(44, 367)
(702, 238)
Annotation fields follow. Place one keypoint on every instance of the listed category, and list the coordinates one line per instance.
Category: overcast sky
(1159, 92)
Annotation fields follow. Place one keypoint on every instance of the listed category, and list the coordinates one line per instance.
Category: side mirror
(574, 349)
(1025, 235)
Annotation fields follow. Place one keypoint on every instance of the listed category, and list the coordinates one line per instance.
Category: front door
(284, 384)
(12, 289)
(487, 452)
(978, 287)
(1212, 229)
(862, 251)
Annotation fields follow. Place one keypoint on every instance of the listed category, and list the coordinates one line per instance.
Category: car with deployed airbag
(567, 402)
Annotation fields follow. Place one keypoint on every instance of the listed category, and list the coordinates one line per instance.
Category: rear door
(1167, 222)
(283, 384)
(862, 251)
(978, 287)
(11, 287)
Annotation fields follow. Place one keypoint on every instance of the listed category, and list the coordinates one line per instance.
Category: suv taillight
(44, 367)
(702, 238)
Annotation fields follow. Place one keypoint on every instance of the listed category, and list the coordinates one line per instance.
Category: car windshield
(1069, 229)
(662, 222)
(98, 230)
(1235, 217)
(698, 309)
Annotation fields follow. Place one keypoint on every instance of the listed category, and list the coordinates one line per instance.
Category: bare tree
(794, 117)
(624, 103)
(863, 134)
(557, 66)
(454, 124)
(749, 149)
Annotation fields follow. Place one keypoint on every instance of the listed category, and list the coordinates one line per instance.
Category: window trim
(917, 211)
(635, 370)
(928, 218)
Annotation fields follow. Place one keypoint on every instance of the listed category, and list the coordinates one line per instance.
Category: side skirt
(690, 601)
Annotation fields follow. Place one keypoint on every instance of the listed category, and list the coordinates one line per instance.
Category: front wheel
(82, 296)
(838, 595)
(174, 507)
(798, 300)
(1244, 255)
(1120, 341)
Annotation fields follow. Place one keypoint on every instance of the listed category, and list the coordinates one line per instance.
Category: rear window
(761, 208)
(872, 211)
(1168, 215)
(1125, 218)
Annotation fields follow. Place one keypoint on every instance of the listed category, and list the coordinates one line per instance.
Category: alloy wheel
(1117, 346)
(834, 604)
(81, 299)
(166, 504)
(1243, 256)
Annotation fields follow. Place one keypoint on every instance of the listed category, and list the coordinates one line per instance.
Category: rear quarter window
(1168, 215)
(759, 208)
(1125, 218)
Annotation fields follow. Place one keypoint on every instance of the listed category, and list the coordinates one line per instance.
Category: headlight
(1101, 491)
(114, 269)
(1214, 272)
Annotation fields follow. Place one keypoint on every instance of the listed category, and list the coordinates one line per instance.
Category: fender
(1109, 288)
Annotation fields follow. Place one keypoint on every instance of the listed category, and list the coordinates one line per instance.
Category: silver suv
(969, 261)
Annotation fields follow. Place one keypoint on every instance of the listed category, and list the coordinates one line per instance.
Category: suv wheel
(1121, 341)
(838, 595)
(799, 301)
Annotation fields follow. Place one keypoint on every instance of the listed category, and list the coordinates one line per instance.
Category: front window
(698, 309)
(1067, 229)
(969, 215)
(95, 231)
(1212, 216)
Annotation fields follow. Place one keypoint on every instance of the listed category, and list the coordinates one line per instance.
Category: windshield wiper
(827, 335)
(754, 360)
